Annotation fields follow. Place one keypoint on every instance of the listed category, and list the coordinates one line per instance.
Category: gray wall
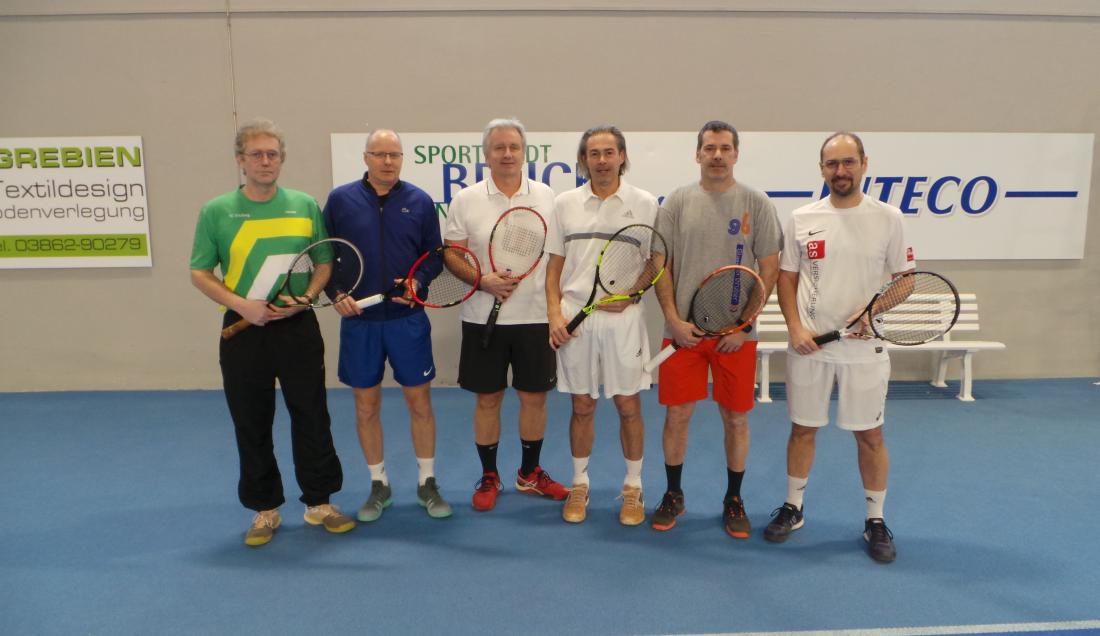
(178, 74)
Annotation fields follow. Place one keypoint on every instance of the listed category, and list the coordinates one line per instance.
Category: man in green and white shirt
(252, 234)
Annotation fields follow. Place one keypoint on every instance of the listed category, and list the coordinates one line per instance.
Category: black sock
(733, 483)
(531, 451)
(488, 455)
(673, 475)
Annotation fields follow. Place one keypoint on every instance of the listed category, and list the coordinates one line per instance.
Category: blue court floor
(121, 518)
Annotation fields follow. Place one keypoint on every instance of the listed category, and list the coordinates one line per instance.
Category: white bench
(771, 323)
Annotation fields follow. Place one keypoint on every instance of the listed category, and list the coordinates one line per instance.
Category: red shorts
(683, 377)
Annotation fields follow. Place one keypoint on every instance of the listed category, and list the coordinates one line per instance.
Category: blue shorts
(366, 344)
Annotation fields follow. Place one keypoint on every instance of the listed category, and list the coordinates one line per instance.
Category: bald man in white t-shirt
(837, 252)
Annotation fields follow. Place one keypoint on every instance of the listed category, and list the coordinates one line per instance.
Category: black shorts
(526, 348)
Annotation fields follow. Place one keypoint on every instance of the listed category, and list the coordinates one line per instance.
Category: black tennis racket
(629, 264)
(445, 277)
(515, 250)
(911, 309)
(347, 271)
(727, 301)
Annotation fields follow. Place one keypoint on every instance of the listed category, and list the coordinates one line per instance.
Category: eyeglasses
(385, 155)
(257, 155)
(848, 162)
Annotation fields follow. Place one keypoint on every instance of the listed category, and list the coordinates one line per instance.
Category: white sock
(796, 487)
(378, 473)
(876, 500)
(633, 473)
(427, 468)
(580, 471)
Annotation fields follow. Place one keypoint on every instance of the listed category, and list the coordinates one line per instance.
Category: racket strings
(347, 271)
(727, 300)
(459, 273)
(629, 262)
(517, 246)
(915, 308)
(297, 281)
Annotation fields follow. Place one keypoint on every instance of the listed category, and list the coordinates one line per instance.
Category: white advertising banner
(964, 195)
(73, 202)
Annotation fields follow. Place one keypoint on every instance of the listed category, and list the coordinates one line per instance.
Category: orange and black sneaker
(734, 518)
(540, 483)
(485, 493)
(671, 506)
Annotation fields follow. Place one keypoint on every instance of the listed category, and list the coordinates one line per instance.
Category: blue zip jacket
(391, 232)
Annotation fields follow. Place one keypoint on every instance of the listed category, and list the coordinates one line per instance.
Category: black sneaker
(880, 541)
(672, 506)
(734, 518)
(785, 520)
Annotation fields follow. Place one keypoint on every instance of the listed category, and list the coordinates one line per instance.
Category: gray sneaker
(380, 498)
(429, 497)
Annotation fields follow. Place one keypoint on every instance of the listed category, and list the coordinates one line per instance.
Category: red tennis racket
(515, 250)
(443, 277)
(727, 301)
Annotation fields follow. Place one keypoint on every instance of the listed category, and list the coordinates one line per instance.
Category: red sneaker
(540, 483)
(485, 493)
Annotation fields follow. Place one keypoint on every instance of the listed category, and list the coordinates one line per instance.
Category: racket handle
(656, 360)
(576, 322)
(235, 328)
(370, 301)
(487, 335)
(826, 338)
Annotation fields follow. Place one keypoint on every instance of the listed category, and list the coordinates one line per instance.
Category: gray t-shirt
(707, 230)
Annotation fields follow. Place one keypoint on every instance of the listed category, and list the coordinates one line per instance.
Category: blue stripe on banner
(1040, 194)
(790, 194)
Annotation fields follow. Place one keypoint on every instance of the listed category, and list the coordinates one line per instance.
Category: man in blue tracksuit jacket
(392, 222)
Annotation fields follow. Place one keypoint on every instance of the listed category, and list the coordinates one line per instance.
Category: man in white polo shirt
(520, 339)
(836, 253)
(611, 345)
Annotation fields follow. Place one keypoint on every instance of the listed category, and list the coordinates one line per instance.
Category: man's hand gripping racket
(302, 284)
(450, 273)
(727, 301)
(515, 250)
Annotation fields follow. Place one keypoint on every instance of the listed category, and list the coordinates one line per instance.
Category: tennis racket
(450, 275)
(727, 301)
(347, 271)
(629, 264)
(515, 249)
(911, 309)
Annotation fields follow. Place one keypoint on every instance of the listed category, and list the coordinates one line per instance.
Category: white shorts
(861, 395)
(607, 349)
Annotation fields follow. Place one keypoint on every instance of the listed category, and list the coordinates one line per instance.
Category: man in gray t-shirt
(707, 225)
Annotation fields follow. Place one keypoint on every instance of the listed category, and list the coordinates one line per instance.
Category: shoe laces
(784, 514)
(542, 478)
(265, 519)
(486, 483)
(577, 494)
(735, 507)
(879, 531)
(631, 496)
(668, 503)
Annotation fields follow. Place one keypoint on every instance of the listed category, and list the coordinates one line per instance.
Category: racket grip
(370, 301)
(235, 328)
(656, 360)
(826, 338)
(576, 322)
(487, 335)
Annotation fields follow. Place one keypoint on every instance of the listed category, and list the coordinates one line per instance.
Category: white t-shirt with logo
(843, 256)
(471, 216)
